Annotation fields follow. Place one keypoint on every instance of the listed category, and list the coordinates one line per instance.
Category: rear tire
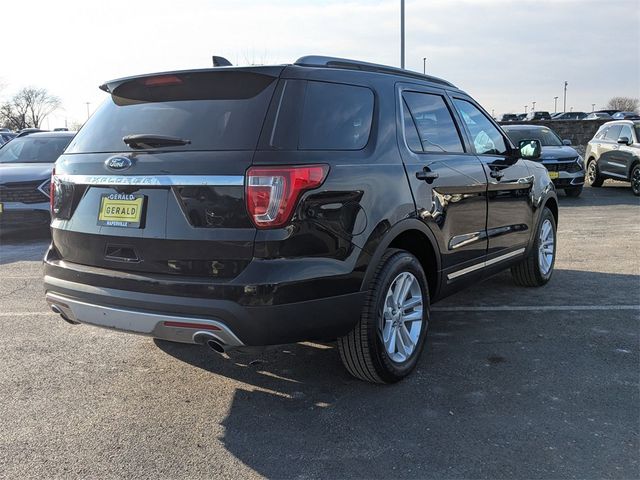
(593, 177)
(573, 191)
(537, 268)
(635, 180)
(385, 345)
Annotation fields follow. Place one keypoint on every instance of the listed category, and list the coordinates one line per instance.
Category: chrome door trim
(484, 264)
(153, 180)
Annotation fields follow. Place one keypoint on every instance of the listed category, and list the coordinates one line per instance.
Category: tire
(592, 176)
(635, 180)
(363, 351)
(534, 271)
(573, 191)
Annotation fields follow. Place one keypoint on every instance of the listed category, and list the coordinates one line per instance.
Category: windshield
(207, 110)
(547, 137)
(31, 149)
(637, 129)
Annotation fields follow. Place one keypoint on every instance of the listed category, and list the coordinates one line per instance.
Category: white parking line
(527, 308)
(15, 314)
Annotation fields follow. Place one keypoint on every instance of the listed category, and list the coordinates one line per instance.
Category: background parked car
(598, 116)
(28, 131)
(25, 172)
(569, 116)
(507, 117)
(540, 115)
(625, 116)
(565, 165)
(614, 152)
(521, 116)
(6, 136)
(608, 112)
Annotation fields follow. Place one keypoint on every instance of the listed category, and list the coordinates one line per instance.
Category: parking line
(526, 308)
(15, 314)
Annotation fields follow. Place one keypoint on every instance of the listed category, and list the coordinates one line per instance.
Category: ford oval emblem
(118, 163)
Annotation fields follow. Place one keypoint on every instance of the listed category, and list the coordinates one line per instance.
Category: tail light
(273, 192)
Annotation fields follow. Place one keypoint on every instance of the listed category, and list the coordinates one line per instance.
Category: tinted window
(434, 123)
(410, 131)
(626, 132)
(213, 110)
(547, 137)
(486, 138)
(33, 149)
(613, 133)
(336, 117)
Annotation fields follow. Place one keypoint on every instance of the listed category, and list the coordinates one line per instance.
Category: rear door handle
(497, 174)
(427, 175)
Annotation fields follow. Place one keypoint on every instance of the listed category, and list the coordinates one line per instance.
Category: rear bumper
(178, 318)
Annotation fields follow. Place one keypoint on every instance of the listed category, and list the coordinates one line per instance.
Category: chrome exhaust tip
(60, 311)
(209, 340)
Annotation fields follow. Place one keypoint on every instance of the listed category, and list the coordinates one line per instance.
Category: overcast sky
(504, 53)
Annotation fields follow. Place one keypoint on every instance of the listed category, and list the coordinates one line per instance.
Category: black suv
(328, 199)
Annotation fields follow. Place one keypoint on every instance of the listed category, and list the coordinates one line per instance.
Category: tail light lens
(273, 192)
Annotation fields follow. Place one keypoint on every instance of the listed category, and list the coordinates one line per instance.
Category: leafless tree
(28, 108)
(625, 104)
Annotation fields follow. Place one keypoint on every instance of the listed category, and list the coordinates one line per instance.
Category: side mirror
(530, 149)
(566, 142)
(624, 140)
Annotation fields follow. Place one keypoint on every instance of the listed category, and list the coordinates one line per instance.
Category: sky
(505, 53)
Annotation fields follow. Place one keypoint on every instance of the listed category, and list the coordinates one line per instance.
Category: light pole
(564, 105)
(555, 104)
(402, 34)
(424, 65)
(593, 107)
(525, 108)
(88, 103)
(533, 109)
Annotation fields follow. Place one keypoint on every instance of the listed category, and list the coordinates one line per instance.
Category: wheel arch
(415, 237)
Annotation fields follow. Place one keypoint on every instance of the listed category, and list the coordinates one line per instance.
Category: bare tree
(28, 108)
(625, 104)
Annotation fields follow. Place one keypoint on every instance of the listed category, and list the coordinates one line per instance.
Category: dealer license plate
(121, 210)
(553, 175)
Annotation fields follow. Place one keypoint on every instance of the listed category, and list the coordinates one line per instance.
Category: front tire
(385, 345)
(573, 191)
(537, 268)
(593, 177)
(635, 180)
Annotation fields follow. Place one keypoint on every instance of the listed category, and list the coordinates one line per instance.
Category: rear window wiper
(152, 141)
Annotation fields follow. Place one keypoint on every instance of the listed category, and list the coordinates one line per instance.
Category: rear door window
(436, 129)
(336, 117)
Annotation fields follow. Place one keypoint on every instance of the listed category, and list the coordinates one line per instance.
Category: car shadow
(611, 193)
(24, 244)
(478, 404)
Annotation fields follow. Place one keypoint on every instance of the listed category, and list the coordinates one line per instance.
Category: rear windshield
(547, 137)
(212, 110)
(31, 149)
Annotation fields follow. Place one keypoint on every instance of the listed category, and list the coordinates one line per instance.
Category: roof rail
(333, 62)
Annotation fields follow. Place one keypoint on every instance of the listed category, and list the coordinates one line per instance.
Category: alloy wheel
(635, 181)
(546, 247)
(402, 317)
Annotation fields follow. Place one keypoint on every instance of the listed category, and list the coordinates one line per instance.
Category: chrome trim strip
(616, 164)
(154, 180)
(143, 323)
(487, 263)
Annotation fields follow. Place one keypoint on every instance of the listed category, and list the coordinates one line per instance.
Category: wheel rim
(546, 247)
(635, 180)
(591, 172)
(402, 317)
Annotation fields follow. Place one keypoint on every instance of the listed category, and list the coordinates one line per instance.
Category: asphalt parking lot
(514, 383)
